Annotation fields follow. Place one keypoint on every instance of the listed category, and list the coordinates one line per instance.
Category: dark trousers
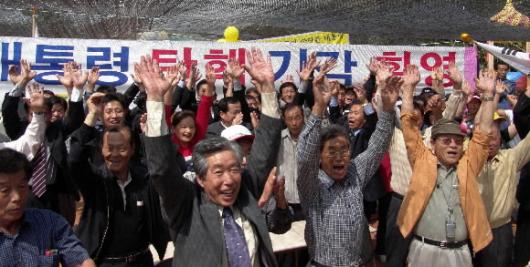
(145, 260)
(499, 252)
(522, 239)
(397, 247)
(382, 211)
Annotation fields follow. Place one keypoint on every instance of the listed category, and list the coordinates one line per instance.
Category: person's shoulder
(43, 218)
(42, 213)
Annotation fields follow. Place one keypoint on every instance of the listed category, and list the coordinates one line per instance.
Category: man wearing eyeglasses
(443, 207)
(331, 194)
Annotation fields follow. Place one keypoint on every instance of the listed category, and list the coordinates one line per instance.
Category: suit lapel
(211, 219)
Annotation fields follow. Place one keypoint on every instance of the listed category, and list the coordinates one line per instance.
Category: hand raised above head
(390, 92)
(486, 81)
(260, 69)
(155, 84)
(234, 69)
(36, 98)
(411, 77)
(308, 67)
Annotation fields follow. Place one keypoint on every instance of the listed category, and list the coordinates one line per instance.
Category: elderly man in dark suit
(217, 219)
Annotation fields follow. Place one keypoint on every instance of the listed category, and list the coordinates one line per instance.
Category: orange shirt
(423, 181)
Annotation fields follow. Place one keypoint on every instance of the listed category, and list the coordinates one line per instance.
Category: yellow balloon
(222, 40)
(231, 34)
(465, 37)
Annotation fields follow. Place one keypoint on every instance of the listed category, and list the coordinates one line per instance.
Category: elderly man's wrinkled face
(335, 158)
(294, 119)
(356, 118)
(14, 192)
(117, 150)
(229, 116)
(223, 178)
(448, 148)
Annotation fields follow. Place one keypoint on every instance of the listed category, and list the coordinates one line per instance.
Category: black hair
(181, 115)
(53, 100)
(331, 132)
(287, 84)
(12, 161)
(118, 129)
(115, 97)
(106, 89)
(199, 84)
(497, 63)
(290, 106)
(255, 90)
(223, 103)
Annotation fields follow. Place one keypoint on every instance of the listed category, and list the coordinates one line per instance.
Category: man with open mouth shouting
(330, 183)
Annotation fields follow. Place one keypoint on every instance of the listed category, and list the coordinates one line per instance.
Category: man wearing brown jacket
(443, 207)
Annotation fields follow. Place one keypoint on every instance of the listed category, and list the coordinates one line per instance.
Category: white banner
(516, 59)
(115, 58)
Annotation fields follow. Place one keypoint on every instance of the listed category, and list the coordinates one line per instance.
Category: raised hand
(390, 92)
(210, 79)
(308, 67)
(455, 75)
(79, 77)
(172, 76)
(25, 75)
(322, 93)
(93, 77)
(36, 98)
(66, 78)
(500, 87)
(328, 65)
(268, 188)
(411, 77)
(437, 76)
(183, 70)
(486, 81)
(195, 75)
(383, 72)
(260, 69)
(95, 104)
(234, 69)
(149, 73)
(373, 66)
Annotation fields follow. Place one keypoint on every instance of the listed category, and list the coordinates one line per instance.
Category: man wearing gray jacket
(217, 220)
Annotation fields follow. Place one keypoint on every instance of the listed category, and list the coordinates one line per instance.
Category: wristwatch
(486, 98)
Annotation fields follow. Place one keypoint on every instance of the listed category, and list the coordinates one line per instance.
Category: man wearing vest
(443, 207)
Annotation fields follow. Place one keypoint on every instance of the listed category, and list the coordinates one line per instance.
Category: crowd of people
(99, 177)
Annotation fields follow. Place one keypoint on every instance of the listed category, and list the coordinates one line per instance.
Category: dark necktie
(38, 177)
(235, 242)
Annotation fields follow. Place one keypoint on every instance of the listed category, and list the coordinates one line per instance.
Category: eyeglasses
(447, 140)
(343, 153)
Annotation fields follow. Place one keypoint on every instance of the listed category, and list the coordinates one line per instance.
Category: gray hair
(210, 146)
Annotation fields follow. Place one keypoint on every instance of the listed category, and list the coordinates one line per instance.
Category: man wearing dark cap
(443, 207)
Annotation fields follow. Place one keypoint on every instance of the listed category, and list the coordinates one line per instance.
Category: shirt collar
(329, 182)
(287, 134)
(128, 181)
